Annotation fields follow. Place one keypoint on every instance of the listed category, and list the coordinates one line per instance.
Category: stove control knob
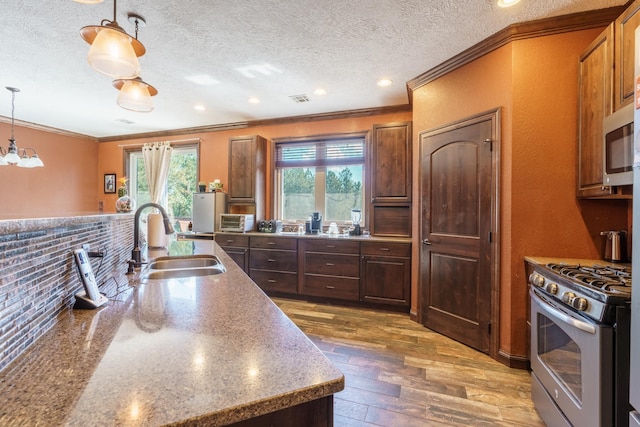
(536, 280)
(552, 288)
(568, 297)
(579, 304)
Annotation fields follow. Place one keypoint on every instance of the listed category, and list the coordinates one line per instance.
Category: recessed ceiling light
(320, 91)
(199, 107)
(507, 3)
(254, 100)
(384, 82)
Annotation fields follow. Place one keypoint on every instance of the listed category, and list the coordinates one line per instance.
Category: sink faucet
(136, 259)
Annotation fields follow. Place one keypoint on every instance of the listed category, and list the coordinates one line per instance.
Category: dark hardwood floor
(400, 374)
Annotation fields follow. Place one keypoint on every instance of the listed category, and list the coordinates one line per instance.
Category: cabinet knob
(384, 249)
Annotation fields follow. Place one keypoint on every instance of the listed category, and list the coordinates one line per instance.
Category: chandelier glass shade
(135, 94)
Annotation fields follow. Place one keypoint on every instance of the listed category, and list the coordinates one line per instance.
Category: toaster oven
(238, 223)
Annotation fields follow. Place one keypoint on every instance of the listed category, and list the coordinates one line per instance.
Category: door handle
(426, 242)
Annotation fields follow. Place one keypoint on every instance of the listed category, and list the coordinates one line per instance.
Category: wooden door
(457, 279)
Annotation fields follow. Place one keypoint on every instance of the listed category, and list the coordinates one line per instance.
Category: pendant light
(135, 94)
(14, 156)
(113, 52)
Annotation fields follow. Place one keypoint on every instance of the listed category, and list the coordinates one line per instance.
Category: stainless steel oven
(579, 348)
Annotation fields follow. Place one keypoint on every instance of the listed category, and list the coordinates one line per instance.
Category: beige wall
(534, 82)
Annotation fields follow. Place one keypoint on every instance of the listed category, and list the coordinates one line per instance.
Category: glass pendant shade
(112, 53)
(36, 162)
(135, 95)
(12, 156)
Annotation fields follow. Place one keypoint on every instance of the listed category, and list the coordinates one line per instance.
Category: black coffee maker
(316, 223)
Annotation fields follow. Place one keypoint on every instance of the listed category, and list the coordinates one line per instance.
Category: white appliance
(634, 380)
(207, 208)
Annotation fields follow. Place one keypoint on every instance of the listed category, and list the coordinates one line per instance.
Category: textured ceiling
(264, 48)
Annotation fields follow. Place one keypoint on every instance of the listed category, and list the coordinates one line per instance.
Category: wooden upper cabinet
(246, 167)
(247, 175)
(625, 27)
(390, 165)
(595, 102)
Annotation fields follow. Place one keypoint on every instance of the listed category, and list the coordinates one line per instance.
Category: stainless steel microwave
(618, 147)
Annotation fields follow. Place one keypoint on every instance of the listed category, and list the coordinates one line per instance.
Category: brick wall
(38, 275)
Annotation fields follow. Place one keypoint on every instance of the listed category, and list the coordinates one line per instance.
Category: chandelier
(12, 155)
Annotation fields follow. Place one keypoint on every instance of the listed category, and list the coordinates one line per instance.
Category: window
(181, 181)
(323, 175)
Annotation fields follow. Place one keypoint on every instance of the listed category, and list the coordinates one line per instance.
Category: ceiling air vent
(298, 99)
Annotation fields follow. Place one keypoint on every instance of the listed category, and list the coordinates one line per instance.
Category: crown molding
(347, 114)
(543, 27)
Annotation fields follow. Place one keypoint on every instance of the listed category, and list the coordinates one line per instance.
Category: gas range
(592, 290)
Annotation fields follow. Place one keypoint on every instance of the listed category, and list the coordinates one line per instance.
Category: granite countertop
(201, 350)
(289, 234)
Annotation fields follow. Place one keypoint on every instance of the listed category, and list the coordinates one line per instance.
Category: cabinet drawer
(273, 242)
(276, 281)
(332, 246)
(332, 287)
(239, 240)
(332, 264)
(386, 249)
(273, 260)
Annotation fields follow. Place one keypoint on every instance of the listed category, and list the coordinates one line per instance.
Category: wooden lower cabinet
(273, 263)
(237, 247)
(375, 272)
(331, 269)
(386, 273)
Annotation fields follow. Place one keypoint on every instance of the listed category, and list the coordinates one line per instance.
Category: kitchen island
(211, 350)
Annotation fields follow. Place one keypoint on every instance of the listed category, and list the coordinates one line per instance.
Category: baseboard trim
(515, 361)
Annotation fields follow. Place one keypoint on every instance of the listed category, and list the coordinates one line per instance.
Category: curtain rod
(170, 142)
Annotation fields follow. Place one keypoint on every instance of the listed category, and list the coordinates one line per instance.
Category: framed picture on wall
(109, 183)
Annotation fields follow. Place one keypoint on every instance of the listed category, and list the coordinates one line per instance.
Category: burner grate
(605, 277)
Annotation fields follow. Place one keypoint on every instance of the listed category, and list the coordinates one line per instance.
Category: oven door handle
(561, 315)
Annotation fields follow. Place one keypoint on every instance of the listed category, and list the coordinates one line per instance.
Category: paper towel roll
(156, 238)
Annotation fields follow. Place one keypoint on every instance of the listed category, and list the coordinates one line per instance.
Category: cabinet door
(595, 102)
(390, 166)
(386, 280)
(247, 163)
(625, 28)
(241, 169)
(239, 255)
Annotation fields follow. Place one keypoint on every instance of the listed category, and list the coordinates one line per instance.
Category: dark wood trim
(515, 361)
(267, 122)
(543, 27)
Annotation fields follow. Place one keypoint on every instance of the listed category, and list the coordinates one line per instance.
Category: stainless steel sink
(185, 261)
(181, 273)
(176, 267)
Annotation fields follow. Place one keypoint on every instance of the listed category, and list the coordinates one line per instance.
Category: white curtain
(157, 156)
